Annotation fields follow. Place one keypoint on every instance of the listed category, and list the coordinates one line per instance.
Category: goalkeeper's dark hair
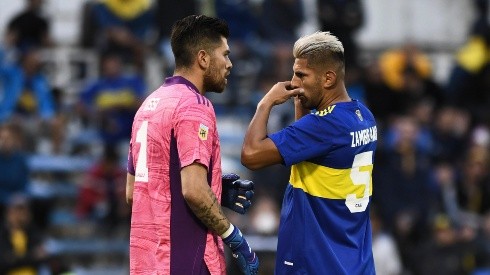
(194, 33)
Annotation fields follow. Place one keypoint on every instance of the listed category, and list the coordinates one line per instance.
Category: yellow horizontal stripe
(128, 9)
(329, 183)
(123, 98)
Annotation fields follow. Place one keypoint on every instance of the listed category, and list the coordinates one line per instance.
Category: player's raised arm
(258, 150)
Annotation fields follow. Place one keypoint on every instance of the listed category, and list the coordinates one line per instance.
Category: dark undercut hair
(194, 33)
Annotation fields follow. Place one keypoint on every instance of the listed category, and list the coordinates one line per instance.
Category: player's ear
(203, 59)
(330, 79)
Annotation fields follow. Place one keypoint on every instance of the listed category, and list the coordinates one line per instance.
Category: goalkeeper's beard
(213, 81)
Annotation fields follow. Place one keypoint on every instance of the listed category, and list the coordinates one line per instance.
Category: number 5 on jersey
(360, 174)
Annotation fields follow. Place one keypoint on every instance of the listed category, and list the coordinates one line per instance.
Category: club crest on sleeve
(203, 132)
(359, 115)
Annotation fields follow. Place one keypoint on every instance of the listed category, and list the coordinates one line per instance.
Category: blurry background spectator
(29, 99)
(354, 83)
(468, 83)
(27, 91)
(473, 184)
(279, 22)
(407, 74)
(394, 63)
(166, 13)
(110, 102)
(30, 28)
(248, 51)
(265, 217)
(102, 193)
(385, 251)
(450, 127)
(402, 176)
(482, 249)
(22, 248)
(382, 100)
(123, 26)
(343, 18)
(405, 194)
(444, 252)
(13, 160)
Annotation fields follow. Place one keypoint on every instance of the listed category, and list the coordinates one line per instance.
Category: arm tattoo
(210, 213)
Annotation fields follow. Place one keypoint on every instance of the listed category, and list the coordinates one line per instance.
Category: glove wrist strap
(228, 232)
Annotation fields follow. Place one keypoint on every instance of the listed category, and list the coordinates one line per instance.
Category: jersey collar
(169, 81)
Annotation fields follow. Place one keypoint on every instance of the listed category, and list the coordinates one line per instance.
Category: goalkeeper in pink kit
(174, 182)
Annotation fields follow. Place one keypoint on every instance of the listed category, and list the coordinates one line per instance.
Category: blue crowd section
(88, 246)
(62, 163)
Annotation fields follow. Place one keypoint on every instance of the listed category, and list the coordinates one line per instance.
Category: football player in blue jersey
(325, 226)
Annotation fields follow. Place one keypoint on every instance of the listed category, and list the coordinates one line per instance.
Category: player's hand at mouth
(280, 93)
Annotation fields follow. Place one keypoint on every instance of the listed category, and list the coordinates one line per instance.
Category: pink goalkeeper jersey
(174, 127)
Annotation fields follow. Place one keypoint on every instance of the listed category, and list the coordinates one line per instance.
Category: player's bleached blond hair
(320, 49)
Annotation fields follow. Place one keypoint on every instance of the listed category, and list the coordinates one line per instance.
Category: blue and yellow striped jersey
(325, 226)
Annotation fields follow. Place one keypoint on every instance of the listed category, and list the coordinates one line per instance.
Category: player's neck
(195, 79)
(334, 97)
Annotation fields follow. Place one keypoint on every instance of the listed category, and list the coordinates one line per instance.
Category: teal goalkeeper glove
(237, 193)
(246, 259)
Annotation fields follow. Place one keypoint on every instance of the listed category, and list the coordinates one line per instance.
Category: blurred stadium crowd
(63, 147)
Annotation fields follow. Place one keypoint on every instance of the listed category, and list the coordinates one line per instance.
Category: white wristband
(228, 231)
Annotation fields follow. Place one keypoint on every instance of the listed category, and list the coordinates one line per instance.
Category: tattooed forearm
(209, 211)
